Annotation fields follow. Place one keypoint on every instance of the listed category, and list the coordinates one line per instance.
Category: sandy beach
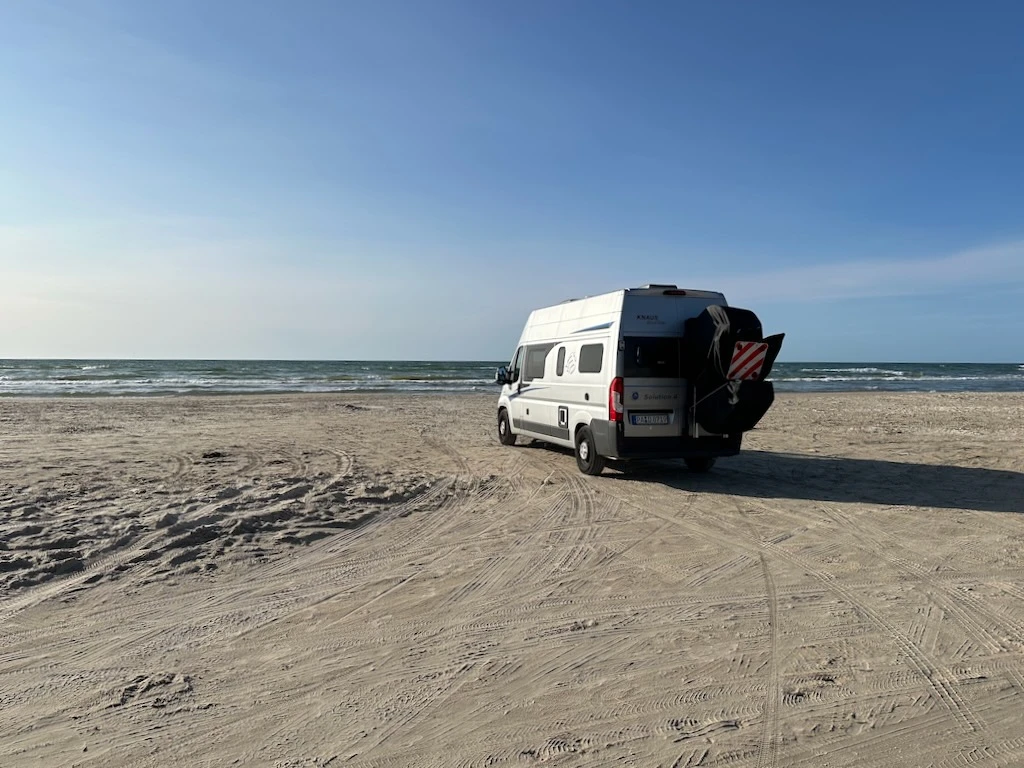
(375, 581)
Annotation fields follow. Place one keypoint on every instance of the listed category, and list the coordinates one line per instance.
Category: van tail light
(615, 392)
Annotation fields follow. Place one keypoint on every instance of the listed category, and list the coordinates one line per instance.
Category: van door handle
(586, 396)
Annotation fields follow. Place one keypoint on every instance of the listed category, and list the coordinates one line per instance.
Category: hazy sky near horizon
(368, 180)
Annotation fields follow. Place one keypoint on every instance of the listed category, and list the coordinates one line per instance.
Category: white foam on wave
(868, 370)
(183, 385)
(200, 378)
(823, 379)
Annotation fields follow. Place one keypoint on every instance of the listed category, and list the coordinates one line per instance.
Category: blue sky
(408, 179)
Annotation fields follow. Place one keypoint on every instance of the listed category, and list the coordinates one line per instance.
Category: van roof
(656, 289)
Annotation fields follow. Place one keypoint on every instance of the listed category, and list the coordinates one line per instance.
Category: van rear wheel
(505, 434)
(586, 455)
(700, 464)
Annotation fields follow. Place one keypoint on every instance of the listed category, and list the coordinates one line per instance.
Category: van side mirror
(501, 377)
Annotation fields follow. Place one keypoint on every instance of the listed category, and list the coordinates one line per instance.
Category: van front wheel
(505, 434)
(586, 456)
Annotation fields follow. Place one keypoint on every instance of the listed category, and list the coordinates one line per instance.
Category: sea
(87, 378)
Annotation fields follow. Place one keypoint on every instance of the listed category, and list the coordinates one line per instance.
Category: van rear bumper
(611, 443)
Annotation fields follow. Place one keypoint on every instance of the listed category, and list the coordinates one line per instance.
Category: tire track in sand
(938, 679)
(990, 631)
(121, 558)
(768, 750)
(55, 587)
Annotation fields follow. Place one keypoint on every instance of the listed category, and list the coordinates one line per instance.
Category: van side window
(591, 358)
(517, 362)
(535, 357)
(560, 369)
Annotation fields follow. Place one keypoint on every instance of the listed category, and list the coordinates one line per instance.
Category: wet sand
(374, 581)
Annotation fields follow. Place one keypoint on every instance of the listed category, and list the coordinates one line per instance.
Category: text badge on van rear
(654, 408)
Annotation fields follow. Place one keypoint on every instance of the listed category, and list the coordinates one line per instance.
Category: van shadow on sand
(768, 475)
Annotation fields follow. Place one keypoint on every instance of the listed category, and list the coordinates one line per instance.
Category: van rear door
(654, 393)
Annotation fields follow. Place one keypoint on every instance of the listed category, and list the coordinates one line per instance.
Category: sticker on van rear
(747, 360)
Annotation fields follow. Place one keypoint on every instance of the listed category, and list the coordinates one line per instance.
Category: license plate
(641, 419)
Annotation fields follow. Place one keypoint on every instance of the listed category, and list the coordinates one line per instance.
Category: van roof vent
(651, 286)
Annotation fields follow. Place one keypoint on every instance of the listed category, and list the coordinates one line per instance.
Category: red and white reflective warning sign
(747, 360)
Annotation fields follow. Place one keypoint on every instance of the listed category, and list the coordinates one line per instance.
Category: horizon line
(447, 360)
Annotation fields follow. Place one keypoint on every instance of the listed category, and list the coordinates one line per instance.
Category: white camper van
(643, 372)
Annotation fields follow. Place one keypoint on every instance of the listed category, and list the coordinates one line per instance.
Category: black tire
(505, 434)
(586, 454)
(701, 464)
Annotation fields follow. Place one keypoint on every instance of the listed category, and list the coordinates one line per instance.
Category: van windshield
(651, 357)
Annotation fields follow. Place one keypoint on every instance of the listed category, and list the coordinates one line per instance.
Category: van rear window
(651, 357)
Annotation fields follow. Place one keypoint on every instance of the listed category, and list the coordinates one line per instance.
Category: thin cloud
(993, 265)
